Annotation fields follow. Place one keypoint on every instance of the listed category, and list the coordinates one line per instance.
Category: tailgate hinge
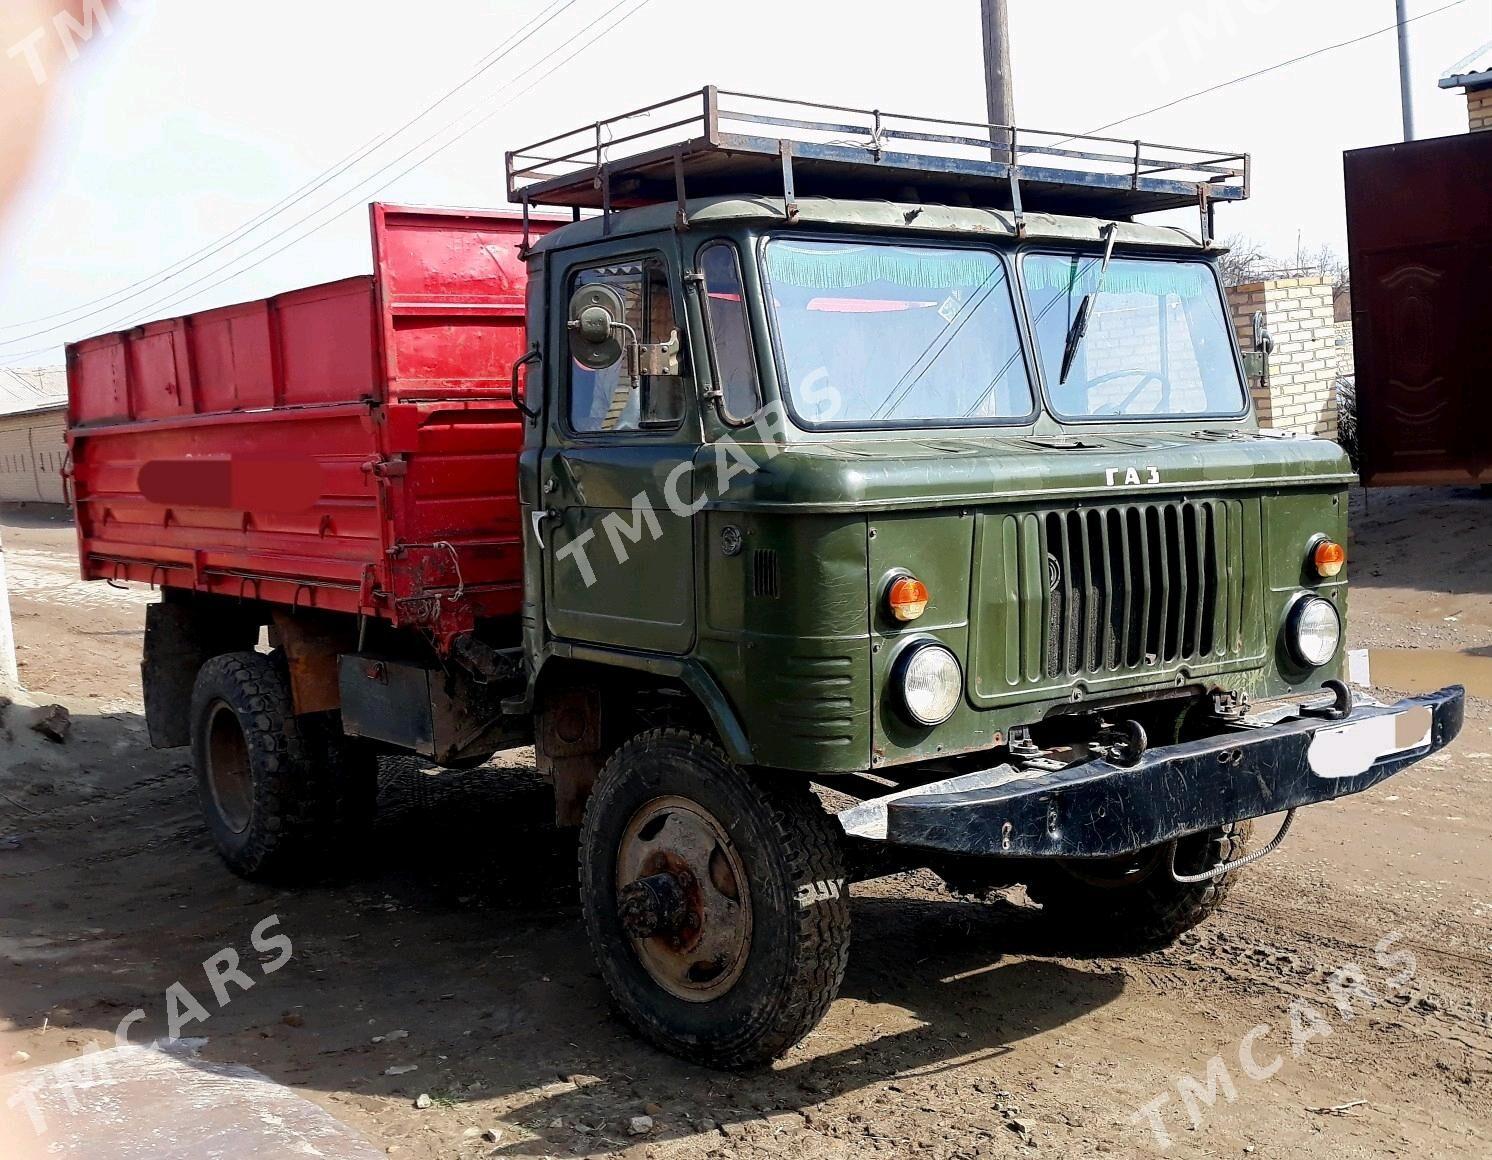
(387, 468)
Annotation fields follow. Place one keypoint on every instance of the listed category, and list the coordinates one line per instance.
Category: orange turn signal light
(1328, 557)
(907, 598)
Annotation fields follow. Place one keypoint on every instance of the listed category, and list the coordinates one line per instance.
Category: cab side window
(730, 330)
(609, 400)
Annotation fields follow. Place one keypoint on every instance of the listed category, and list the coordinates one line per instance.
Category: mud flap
(180, 637)
(444, 716)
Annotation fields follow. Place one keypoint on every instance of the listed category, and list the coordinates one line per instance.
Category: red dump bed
(351, 446)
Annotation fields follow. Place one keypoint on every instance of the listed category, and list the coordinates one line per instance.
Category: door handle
(540, 518)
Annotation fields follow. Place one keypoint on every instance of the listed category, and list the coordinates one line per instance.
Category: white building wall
(33, 451)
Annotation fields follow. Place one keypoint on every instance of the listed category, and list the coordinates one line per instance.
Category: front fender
(685, 670)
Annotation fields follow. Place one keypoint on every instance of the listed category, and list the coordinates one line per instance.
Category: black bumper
(1100, 810)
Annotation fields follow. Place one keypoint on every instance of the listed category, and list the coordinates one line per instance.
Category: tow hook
(1125, 743)
(1341, 705)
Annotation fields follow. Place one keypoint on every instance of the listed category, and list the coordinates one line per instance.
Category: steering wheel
(1145, 377)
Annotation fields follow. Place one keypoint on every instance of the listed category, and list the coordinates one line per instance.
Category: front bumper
(1101, 810)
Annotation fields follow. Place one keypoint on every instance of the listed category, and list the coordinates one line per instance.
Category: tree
(1246, 260)
(1249, 260)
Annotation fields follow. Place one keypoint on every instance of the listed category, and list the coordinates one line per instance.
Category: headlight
(931, 682)
(1314, 631)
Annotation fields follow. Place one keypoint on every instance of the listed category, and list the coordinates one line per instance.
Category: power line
(125, 294)
(1273, 68)
(545, 17)
(357, 193)
(175, 297)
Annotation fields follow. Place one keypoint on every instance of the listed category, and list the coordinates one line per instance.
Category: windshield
(1157, 342)
(878, 333)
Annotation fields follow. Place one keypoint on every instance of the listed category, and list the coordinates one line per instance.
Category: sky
(187, 120)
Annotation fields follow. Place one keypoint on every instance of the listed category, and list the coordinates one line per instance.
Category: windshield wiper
(1079, 326)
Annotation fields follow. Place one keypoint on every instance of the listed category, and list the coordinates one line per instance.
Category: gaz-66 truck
(831, 493)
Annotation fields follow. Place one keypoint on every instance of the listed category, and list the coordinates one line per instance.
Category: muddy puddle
(1423, 670)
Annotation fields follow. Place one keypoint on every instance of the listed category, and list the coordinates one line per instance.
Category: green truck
(876, 455)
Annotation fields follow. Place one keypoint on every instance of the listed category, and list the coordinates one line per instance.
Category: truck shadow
(460, 927)
(1428, 539)
(35, 515)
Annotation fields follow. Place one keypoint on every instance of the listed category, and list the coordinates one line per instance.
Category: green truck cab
(881, 473)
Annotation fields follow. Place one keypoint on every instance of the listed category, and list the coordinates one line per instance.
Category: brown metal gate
(1419, 230)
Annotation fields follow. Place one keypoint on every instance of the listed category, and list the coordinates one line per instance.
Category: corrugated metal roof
(1473, 72)
(31, 389)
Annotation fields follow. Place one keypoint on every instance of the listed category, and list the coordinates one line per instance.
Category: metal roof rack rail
(716, 142)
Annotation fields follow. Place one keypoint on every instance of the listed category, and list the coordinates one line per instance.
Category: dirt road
(453, 964)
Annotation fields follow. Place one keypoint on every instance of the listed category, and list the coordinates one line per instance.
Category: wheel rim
(229, 778)
(684, 898)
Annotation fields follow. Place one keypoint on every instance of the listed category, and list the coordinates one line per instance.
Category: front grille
(1132, 587)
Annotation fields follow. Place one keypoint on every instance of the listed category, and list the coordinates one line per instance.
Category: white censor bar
(1351, 749)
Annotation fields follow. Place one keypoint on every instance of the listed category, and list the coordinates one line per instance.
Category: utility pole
(1000, 102)
(1406, 88)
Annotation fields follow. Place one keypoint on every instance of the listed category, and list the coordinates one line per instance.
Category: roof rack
(717, 142)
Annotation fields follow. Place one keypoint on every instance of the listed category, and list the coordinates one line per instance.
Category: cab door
(615, 480)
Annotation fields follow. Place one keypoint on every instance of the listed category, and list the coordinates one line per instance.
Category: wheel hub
(658, 905)
(683, 898)
(229, 777)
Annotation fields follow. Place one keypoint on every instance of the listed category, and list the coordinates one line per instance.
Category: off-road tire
(342, 776)
(794, 863)
(310, 789)
(1154, 910)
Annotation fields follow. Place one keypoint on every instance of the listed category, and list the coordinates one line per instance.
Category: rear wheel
(1134, 902)
(716, 902)
(279, 793)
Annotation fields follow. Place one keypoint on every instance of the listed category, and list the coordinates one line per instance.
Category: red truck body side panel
(350, 447)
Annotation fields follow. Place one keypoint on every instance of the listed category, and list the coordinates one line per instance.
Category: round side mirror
(1263, 340)
(596, 313)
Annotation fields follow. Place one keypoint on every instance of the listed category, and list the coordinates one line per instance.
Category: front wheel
(716, 902)
(1135, 903)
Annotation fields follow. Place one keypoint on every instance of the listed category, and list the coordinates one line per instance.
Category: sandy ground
(453, 965)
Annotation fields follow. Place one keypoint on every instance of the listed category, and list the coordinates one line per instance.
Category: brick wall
(1346, 363)
(1300, 394)
(1479, 109)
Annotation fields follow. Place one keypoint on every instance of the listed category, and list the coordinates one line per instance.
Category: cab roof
(875, 216)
